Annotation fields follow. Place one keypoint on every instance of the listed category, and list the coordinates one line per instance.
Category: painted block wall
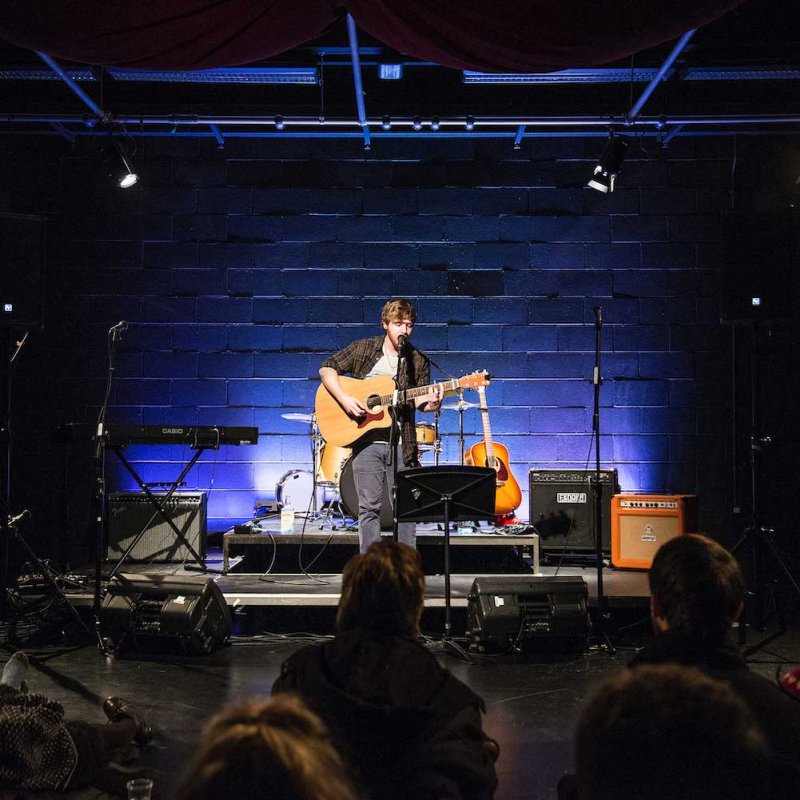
(239, 270)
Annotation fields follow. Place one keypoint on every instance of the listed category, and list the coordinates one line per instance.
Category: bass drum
(349, 497)
(295, 489)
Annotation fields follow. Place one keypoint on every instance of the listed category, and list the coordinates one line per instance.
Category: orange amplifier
(641, 523)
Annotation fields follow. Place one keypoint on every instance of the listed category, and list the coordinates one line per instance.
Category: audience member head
(275, 749)
(383, 591)
(696, 586)
(398, 310)
(668, 732)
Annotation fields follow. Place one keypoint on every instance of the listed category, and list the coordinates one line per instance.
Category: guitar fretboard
(448, 387)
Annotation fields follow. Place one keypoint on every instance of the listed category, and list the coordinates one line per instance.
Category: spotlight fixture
(609, 165)
(386, 122)
(390, 65)
(434, 123)
(125, 173)
(416, 123)
(469, 123)
(280, 124)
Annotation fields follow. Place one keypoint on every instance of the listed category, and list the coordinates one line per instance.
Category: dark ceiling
(743, 70)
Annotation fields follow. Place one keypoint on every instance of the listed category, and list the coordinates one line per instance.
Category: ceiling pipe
(631, 116)
(217, 135)
(504, 123)
(352, 36)
(56, 67)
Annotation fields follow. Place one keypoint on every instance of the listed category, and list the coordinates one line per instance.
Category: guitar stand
(445, 494)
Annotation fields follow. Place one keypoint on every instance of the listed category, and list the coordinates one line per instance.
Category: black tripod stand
(759, 539)
(9, 525)
(444, 494)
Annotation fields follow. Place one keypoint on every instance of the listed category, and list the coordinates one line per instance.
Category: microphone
(598, 316)
(402, 342)
(119, 327)
(12, 521)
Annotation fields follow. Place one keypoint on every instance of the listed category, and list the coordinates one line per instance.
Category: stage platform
(241, 589)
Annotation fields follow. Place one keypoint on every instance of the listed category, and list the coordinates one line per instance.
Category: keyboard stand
(159, 504)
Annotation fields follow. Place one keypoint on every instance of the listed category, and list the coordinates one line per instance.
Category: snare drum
(296, 488)
(426, 436)
(332, 462)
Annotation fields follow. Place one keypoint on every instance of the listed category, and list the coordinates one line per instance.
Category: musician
(365, 358)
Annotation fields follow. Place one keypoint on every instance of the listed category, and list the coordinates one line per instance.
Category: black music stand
(443, 494)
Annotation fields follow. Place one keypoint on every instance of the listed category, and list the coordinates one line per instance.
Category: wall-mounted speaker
(22, 258)
(165, 613)
(528, 613)
(562, 508)
(129, 513)
(641, 523)
(760, 254)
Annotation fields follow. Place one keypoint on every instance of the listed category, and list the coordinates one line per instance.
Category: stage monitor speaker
(165, 613)
(641, 523)
(760, 254)
(562, 508)
(22, 249)
(128, 513)
(528, 613)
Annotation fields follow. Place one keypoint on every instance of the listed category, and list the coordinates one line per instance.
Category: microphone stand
(99, 481)
(602, 605)
(394, 430)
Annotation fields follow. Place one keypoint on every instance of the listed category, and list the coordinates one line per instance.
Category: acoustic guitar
(495, 455)
(377, 395)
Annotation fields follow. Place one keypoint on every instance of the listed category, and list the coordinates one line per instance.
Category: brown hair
(668, 732)
(274, 748)
(697, 585)
(383, 591)
(398, 309)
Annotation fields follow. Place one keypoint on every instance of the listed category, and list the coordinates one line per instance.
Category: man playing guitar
(366, 358)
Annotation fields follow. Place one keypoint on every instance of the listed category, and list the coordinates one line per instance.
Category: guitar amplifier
(128, 513)
(641, 523)
(562, 508)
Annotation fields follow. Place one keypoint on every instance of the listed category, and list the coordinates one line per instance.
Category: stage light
(386, 122)
(280, 124)
(416, 124)
(125, 173)
(469, 124)
(609, 165)
(435, 123)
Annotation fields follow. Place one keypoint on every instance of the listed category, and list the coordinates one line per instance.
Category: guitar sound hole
(373, 403)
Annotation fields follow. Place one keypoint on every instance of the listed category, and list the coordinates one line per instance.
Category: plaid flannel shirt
(359, 357)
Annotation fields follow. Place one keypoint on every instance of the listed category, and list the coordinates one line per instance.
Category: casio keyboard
(199, 437)
(205, 436)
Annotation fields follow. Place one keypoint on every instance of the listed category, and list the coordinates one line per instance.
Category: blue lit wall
(240, 269)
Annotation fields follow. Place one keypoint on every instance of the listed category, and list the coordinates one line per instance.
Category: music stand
(443, 494)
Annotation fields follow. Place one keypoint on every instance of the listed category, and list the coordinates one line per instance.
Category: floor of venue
(532, 699)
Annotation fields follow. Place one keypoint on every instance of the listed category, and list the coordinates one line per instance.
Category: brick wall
(239, 269)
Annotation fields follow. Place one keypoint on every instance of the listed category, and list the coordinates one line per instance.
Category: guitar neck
(448, 388)
(487, 428)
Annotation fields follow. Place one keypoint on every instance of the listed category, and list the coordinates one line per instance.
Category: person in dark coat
(407, 725)
(697, 593)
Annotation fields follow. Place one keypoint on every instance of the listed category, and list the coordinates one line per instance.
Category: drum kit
(327, 492)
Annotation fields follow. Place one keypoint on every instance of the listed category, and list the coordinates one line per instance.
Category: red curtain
(488, 35)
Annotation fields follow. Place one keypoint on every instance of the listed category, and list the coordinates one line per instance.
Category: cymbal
(459, 404)
(298, 417)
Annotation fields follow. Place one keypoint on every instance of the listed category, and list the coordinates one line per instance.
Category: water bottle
(287, 518)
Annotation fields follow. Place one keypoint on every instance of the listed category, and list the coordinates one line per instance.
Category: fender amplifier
(129, 513)
(641, 523)
(562, 508)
